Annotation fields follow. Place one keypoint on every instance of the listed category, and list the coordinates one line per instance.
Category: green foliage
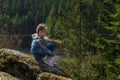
(23, 15)
(63, 22)
(70, 66)
(93, 27)
(86, 28)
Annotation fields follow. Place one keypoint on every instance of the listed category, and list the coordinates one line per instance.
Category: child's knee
(50, 46)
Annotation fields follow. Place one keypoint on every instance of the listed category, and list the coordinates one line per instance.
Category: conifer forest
(89, 31)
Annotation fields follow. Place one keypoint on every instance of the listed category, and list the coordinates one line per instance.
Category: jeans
(48, 51)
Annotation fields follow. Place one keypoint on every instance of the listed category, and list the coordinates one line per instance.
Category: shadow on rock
(24, 66)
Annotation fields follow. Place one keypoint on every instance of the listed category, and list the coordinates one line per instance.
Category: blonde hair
(41, 27)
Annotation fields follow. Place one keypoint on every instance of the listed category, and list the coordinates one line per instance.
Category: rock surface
(24, 66)
(6, 76)
(51, 76)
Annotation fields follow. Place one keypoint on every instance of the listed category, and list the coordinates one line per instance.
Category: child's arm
(44, 48)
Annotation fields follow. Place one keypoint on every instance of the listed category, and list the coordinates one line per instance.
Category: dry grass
(14, 41)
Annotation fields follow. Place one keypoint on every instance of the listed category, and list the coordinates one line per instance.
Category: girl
(40, 48)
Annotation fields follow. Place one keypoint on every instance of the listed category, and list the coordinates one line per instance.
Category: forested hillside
(89, 31)
(21, 17)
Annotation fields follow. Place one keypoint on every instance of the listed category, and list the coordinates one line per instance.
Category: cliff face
(24, 67)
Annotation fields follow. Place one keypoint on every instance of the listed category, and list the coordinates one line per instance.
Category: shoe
(49, 62)
(53, 61)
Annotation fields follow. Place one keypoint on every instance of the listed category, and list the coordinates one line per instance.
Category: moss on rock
(6, 76)
(51, 76)
(25, 67)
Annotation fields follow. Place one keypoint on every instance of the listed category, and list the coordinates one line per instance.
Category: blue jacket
(39, 51)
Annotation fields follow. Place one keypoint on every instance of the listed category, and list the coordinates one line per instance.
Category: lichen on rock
(51, 76)
(6, 76)
(24, 66)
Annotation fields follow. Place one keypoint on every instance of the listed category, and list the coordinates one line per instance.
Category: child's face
(42, 33)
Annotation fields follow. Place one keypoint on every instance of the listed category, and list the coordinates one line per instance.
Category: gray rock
(24, 66)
